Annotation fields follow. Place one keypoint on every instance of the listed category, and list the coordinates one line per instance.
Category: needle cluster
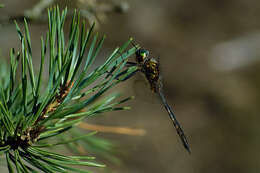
(31, 111)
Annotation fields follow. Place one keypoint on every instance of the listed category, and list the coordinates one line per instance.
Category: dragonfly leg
(128, 64)
(129, 76)
(131, 64)
(124, 72)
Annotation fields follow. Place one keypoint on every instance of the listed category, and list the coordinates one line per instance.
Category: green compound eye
(144, 53)
(141, 55)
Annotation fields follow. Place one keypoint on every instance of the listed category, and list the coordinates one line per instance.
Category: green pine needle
(31, 112)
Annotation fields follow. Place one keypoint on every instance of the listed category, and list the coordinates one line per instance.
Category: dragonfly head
(141, 55)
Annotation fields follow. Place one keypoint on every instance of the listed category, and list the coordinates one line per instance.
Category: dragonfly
(150, 68)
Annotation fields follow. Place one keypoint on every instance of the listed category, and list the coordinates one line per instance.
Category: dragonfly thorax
(151, 70)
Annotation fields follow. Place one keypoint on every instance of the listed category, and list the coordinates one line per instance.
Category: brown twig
(32, 133)
(112, 129)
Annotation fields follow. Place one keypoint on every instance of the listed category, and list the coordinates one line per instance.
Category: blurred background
(209, 56)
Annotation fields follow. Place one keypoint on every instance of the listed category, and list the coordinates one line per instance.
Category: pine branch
(31, 113)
